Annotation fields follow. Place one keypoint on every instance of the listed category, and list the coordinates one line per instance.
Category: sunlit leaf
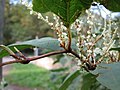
(67, 10)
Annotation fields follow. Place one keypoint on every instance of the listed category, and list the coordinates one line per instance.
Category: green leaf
(88, 80)
(69, 80)
(113, 5)
(43, 43)
(67, 10)
(20, 47)
(109, 75)
(116, 49)
(48, 43)
(59, 69)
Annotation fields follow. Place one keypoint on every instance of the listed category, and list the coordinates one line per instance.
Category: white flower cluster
(61, 30)
(95, 35)
(57, 25)
(27, 4)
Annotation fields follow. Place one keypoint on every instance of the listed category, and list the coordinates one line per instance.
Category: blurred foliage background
(21, 26)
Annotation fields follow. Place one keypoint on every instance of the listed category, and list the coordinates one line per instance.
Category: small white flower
(79, 63)
(98, 51)
(80, 54)
(54, 17)
(88, 32)
(93, 16)
(94, 35)
(51, 24)
(87, 11)
(90, 43)
(78, 29)
(89, 51)
(81, 22)
(91, 23)
(31, 12)
(63, 27)
(64, 34)
(88, 37)
(88, 21)
(86, 44)
(46, 17)
(60, 40)
(83, 36)
(77, 44)
(39, 15)
(57, 25)
(77, 20)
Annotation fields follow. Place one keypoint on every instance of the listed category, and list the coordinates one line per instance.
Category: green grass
(29, 76)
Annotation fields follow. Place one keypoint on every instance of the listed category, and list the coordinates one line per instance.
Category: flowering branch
(89, 32)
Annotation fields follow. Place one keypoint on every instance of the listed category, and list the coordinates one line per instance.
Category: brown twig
(69, 38)
(48, 54)
(33, 58)
(20, 53)
(75, 54)
(19, 60)
(99, 37)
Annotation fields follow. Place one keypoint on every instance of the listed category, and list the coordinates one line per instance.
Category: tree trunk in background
(2, 4)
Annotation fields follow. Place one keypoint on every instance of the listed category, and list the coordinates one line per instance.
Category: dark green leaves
(69, 80)
(109, 75)
(113, 5)
(67, 10)
(88, 80)
(105, 74)
(116, 49)
(59, 69)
